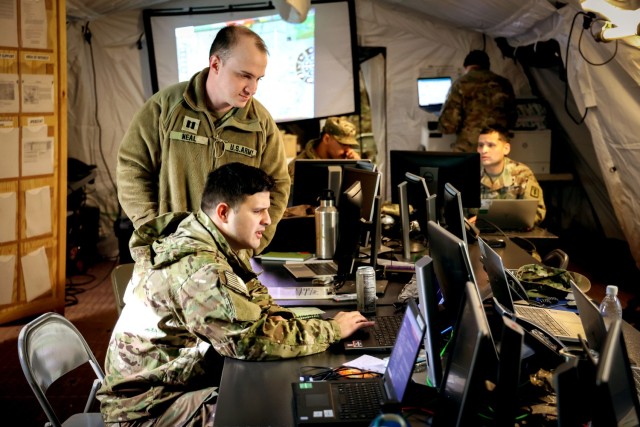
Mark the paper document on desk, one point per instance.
(302, 292)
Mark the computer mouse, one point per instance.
(496, 243)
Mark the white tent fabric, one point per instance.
(419, 36)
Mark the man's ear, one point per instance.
(222, 212)
(214, 63)
(507, 148)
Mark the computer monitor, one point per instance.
(311, 176)
(462, 170)
(471, 361)
(452, 266)
(452, 214)
(414, 194)
(370, 184)
(428, 303)
(432, 92)
(349, 229)
(616, 390)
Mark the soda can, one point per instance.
(366, 289)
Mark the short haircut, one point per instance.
(228, 37)
(503, 132)
(232, 183)
(478, 58)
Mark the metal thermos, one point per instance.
(326, 226)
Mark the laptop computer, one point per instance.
(616, 391)
(562, 324)
(507, 214)
(358, 401)
(379, 338)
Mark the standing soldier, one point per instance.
(477, 99)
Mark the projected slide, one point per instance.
(311, 68)
(287, 87)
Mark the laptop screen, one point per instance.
(404, 353)
(497, 276)
(616, 388)
(468, 363)
(428, 298)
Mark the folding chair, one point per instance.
(50, 347)
(120, 277)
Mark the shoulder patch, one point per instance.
(534, 192)
(235, 283)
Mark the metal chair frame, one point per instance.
(48, 348)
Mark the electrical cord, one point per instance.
(324, 373)
(589, 19)
(87, 37)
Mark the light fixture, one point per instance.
(620, 23)
(611, 32)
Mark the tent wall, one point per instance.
(101, 105)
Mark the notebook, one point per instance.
(507, 214)
(358, 401)
(562, 324)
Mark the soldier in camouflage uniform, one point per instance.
(503, 178)
(186, 130)
(337, 141)
(477, 99)
(192, 301)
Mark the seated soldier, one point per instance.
(503, 178)
(337, 141)
(193, 301)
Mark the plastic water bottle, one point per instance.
(326, 216)
(610, 307)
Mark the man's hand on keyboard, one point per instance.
(351, 321)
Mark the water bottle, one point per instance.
(610, 307)
(326, 216)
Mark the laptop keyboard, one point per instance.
(542, 319)
(386, 329)
(322, 268)
(358, 400)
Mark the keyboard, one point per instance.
(358, 400)
(386, 329)
(322, 268)
(542, 319)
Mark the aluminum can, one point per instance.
(366, 289)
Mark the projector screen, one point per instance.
(311, 66)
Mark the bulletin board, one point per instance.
(33, 135)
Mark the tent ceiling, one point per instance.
(496, 18)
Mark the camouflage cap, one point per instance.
(341, 129)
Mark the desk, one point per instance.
(260, 394)
(273, 274)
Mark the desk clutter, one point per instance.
(484, 334)
(482, 362)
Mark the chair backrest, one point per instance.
(120, 277)
(50, 347)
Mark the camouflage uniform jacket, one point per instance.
(515, 182)
(174, 141)
(477, 99)
(309, 152)
(190, 293)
